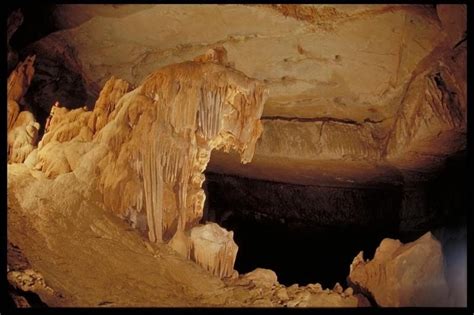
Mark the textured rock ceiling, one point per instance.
(350, 65)
(338, 75)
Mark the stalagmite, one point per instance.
(213, 248)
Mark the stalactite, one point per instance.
(153, 191)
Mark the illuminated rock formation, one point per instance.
(81, 124)
(20, 79)
(261, 277)
(357, 98)
(145, 150)
(22, 137)
(433, 112)
(113, 90)
(338, 89)
(213, 248)
(409, 274)
(22, 127)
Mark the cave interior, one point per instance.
(352, 134)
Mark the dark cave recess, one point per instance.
(309, 234)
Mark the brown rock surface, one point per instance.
(75, 270)
(150, 146)
(22, 127)
(213, 248)
(353, 95)
(410, 274)
(261, 277)
(346, 82)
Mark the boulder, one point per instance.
(262, 277)
(400, 275)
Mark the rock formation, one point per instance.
(261, 277)
(355, 96)
(410, 274)
(338, 90)
(145, 150)
(22, 126)
(347, 116)
(213, 248)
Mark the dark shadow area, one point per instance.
(31, 298)
(306, 234)
(309, 234)
(300, 254)
(37, 23)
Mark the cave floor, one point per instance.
(89, 257)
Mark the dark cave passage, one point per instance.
(306, 234)
(311, 234)
(300, 255)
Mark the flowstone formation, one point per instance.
(22, 126)
(144, 151)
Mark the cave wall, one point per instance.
(304, 205)
(406, 208)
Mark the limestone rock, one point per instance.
(306, 297)
(22, 127)
(157, 140)
(20, 79)
(113, 90)
(349, 291)
(181, 244)
(26, 280)
(213, 248)
(22, 138)
(409, 274)
(282, 294)
(309, 70)
(66, 125)
(338, 288)
(346, 83)
(261, 277)
(434, 103)
(328, 300)
(81, 124)
(314, 288)
(262, 303)
(216, 55)
(454, 20)
(13, 109)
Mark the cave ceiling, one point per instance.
(344, 81)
